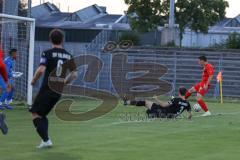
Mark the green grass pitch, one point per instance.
(112, 138)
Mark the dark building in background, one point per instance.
(1, 6)
(8, 30)
(81, 26)
(9, 6)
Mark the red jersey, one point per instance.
(207, 72)
(3, 71)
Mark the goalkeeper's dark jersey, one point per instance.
(54, 59)
(178, 105)
(175, 108)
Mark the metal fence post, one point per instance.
(175, 73)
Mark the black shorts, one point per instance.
(157, 111)
(44, 102)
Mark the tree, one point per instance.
(22, 9)
(130, 36)
(233, 41)
(145, 15)
(198, 15)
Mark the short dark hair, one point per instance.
(56, 36)
(182, 91)
(13, 50)
(203, 58)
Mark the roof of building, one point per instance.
(96, 17)
(43, 10)
(92, 17)
(227, 25)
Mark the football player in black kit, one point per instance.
(161, 109)
(52, 60)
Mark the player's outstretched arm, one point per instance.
(39, 72)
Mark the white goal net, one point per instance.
(18, 33)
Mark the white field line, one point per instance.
(136, 121)
(147, 121)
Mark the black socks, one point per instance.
(41, 125)
(45, 121)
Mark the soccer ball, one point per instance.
(197, 107)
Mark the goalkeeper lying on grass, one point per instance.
(171, 109)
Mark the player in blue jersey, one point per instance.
(7, 96)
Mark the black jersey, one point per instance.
(178, 105)
(54, 60)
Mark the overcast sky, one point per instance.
(118, 6)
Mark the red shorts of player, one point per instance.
(199, 87)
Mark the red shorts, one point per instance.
(199, 87)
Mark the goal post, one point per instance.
(19, 33)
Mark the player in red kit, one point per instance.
(3, 73)
(202, 87)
